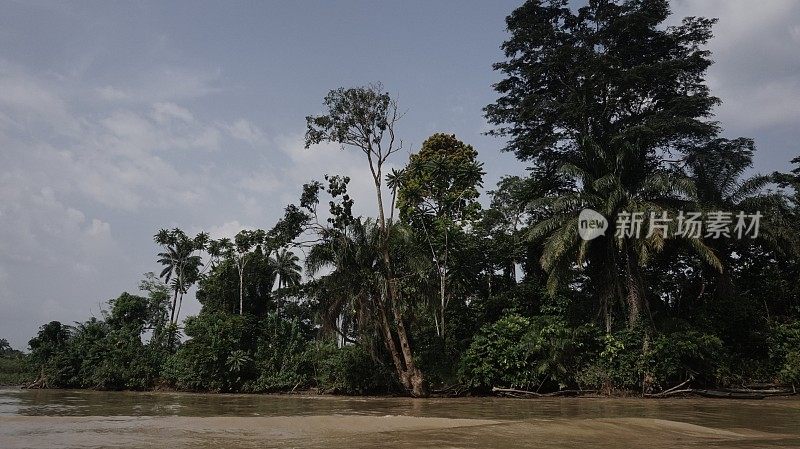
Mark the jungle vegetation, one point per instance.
(444, 289)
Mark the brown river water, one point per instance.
(92, 419)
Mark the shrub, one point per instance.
(15, 370)
(634, 360)
(281, 358)
(784, 352)
(524, 353)
(349, 370)
(203, 362)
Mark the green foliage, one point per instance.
(441, 181)
(15, 370)
(518, 352)
(349, 370)
(14, 366)
(227, 352)
(784, 351)
(218, 291)
(633, 360)
(107, 354)
(676, 356)
(356, 116)
(203, 363)
(281, 356)
(608, 108)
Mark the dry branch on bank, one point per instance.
(514, 393)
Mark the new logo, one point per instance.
(591, 224)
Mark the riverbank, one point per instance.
(680, 391)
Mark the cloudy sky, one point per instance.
(117, 118)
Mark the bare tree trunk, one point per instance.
(442, 292)
(419, 387)
(241, 292)
(634, 294)
(180, 303)
(174, 304)
(278, 297)
(388, 341)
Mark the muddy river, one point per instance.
(83, 419)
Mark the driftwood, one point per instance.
(514, 393)
(757, 391)
(724, 394)
(765, 391)
(728, 395)
(452, 390)
(672, 391)
(37, 384)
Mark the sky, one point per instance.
(120, 118)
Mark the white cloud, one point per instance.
(111, 93)
(756, 60)
(262, 181)
(163, 112)
(228, 229)
(244, 130)
(162, 84)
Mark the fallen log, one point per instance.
(39, 383)
(767, 392)
(670, 391)
(511, 392)
(728, 395)
(717, 394)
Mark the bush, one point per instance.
(349, 370)
(206, 360)
(784, 352)
(524, 353)
(633, 360)
(281, 357)
(233, 353)
(676, 356)
(15, 370)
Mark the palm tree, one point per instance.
(357, 288)
(611, 182)
(348, 293)
(287, 269)
(717, 168)
(182, 264)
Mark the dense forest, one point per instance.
(442, 291)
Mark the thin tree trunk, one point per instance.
(442, 280)
(278, 297)
(241, 292)
(180, 303)
(634, 295)
(174, 304)
(411, 376)
(388, 341)
(419, 387)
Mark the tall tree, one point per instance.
(437, 195)
(605, 94)
(365, 118)
(287, 269)
(717, 169)
(239, 251)
(182, 264)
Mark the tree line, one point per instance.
(608, 109)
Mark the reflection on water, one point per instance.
(55, 418)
